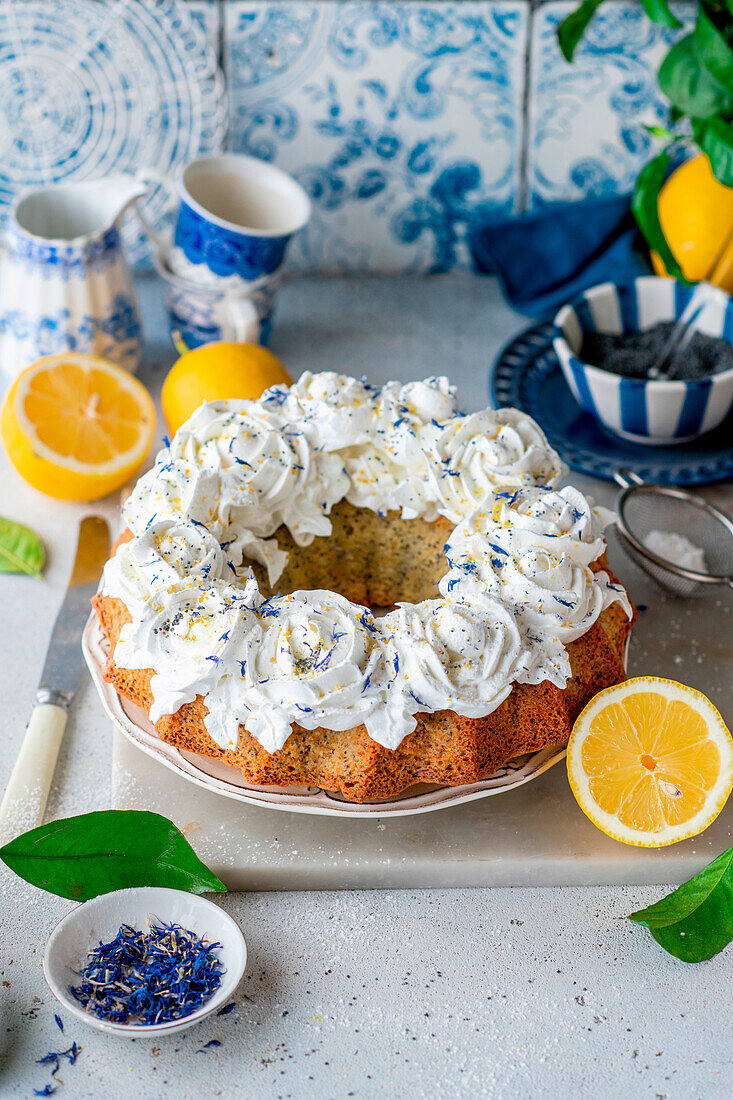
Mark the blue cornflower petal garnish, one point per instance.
(368, 625)
(148, 977)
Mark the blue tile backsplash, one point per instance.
(409, 120)
(402, 120)
(584, 121)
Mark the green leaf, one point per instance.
(645, 208)
(572, 28)
(661, 132)
(713, 50)
(715, 138)
(659, 12)
(21, 550)
(81, 857)
(689, 86)
(695, 921)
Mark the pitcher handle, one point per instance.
(161, 246)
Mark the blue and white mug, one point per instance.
(237, 215)
(202, 314)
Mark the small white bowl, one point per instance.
(100, 919)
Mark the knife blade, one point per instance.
(24, 801)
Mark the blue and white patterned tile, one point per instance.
(207, 14)
(402, 120)
(586, 119)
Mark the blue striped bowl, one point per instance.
(655, 412)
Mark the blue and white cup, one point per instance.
(206, 313)
(658, 411)
(237, 215)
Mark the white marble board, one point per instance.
(532, 836)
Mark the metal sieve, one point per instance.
(642, 508)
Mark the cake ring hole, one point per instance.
(370, 559)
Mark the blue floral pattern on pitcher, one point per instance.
(64, 260)
(116, 333)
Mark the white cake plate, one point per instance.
(133, 722)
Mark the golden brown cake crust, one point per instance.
(388, 559)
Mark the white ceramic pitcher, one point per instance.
(64, 282)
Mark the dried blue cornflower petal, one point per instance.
(53, 1058)
(211, 1042)
(47, 1090)
(149, 977)
(59, 1022)
(227, 1009)
(367, 623)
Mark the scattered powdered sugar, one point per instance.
(678, 549)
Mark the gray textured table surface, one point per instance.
(437, 993)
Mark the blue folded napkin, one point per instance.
(546, 258)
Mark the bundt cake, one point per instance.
(247, 605)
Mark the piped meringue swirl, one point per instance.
(518, 588)
(532, 549)
(318, 662)
(244, 468)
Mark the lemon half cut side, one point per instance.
(650, 761)
(76, 426)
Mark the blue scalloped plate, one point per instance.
(527, 375)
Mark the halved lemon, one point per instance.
(76, 426)
(650, 761)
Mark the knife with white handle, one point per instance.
(24, 801)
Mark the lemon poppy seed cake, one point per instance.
(241, 604)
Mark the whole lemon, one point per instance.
(215, 372)
(696, 214)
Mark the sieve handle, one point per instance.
(626, 478)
